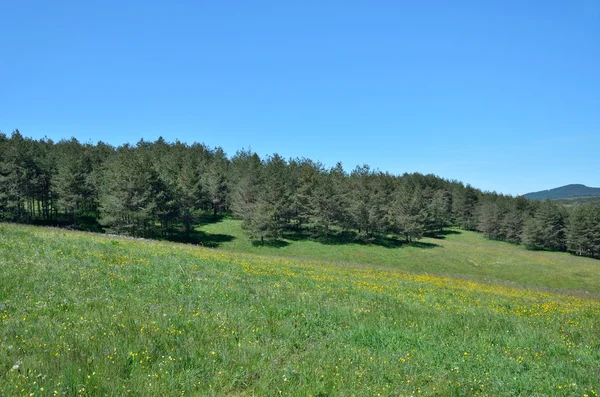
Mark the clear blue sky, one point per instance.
(504, 95)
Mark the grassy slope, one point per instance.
(86, 314)
(462, 253)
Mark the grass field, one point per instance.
(458, 253)
(84, 314)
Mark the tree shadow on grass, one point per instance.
(210, 240)
(85, 223)
(199, 237)
(422, 244)
(441, 235)
(272, 243)
(206, 219)
(352, 237)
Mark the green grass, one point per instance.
(84, 314)
(459, 253)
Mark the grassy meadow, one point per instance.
(85, 314)
(456, 253)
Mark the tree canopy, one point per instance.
(157, 189)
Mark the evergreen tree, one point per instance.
(302, 199)
(547, 229)
(512, 226)
(361, 200)
(491, 215)
(383, 193)
(16, 172)
(98, 155)
(440, 210)
(131, 193)
(553, 221)
(325, 203)
(248, 201)
(4, 207)
(272, 201)
(70, 182)
(464, 202)
(410, 213)
(583, 232)
(189, 192)
(532, 236)
(339, 180)
(161, 186)
(215, 181)
(246, 181)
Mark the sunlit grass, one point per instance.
(83, 314)
(460, 253)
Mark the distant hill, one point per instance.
(565, 192)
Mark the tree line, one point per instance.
(159, 189)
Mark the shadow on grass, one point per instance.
(440, 235)
(352, 237)
(198, 237)
(83, 223)
(210, 240)
(421, 244)
(271, 243)
(206, 219)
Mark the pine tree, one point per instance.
(552, 218)
(409, 211)
(69, 183)
(532, 236)
(272, 201)
(215, 181)
(189, 192)
(361, 200)
(131, 198)
(583, 232)
(323, 204)
(464, 203)
(302, 198)
(490, 215)
(4, 207)
(512, 226)
(546, 230)
(383, 192)
(440, 210)
(16, 171)
(246, 199)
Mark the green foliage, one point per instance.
(71, 179)
(133, 195)
(575, 191)
(215, 181)
(162, 189)
(410, 211)
(583, 232)
(440, 210)
(547, 229)
(14, 178)
(272, 203)
(464, 206)
(188, 192)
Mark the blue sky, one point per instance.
(504, 95)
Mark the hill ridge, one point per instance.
(567, 191)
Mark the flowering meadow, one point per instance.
(84, 314)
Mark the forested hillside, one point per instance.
(161, 189)
(565, 192)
